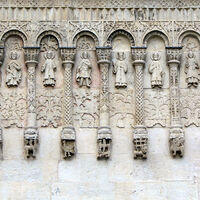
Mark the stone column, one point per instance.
(140, 135)
(31, 134)
(68, 136)
(1, 131)
(176, 136)
(104, 134)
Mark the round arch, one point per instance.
(86, 33)
(14, 33)
(49, 33)
(188, 33)
(120, 32)
(155, 33)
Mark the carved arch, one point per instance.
(14, 33)
(86, 33)
(120, 32)
(188, 33)
(155, 33)
(49, 33)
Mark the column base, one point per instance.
(104, 140)
(68, 142)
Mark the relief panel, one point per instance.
(156, 71)
(190, 64)
(156, 108)
(121, 73)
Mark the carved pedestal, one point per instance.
(176, 135)
(140, 135)
(104, 134)
(31, 133)
(68, 135)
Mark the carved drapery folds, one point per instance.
(104, 134)
(31, 132)
(176, 137)
(68, 136)
(140, 135)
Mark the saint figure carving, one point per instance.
(84, 70)
(120, 69)
(156, 71)
(49, 69)
(14, 73)
(192, 70)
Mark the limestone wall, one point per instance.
(99, 100)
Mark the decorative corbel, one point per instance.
(68, 134)
(104, 134)
(140, 134)
(31, 134)
(176, 134)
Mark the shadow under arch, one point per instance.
(188, 33)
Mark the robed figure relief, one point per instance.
(192, 70)
(156, 71)
(13, 71)
(120, 68)
(84, 71)
(49, 69)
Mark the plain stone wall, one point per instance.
(84, 177)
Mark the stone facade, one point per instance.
(99, 100)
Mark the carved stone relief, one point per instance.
(86, 108)
(190, 63)
(49, 108)
(49, 47)
(13, 62)
(156, 71)
(1, 144)
(156, 108)
(13, 109)
(190, 107)
(121, 108)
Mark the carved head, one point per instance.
(85, 55)
(49, 55)
(155, 56)
(13, 55)
(121, 56)
(191, 54)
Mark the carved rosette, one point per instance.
(140, 134)
(176, 136)
(31, 132)
(104, 134)
(68, 134)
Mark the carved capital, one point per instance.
(68, 139)
(104, 140)
(176, 141)
(31, 140)
(140, 141)
(67, 54)
(138, 55)
(31, 54)
(103, 54)
(173, 54)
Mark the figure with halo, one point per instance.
(84, 71)
(120, 69)
(156, 71)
